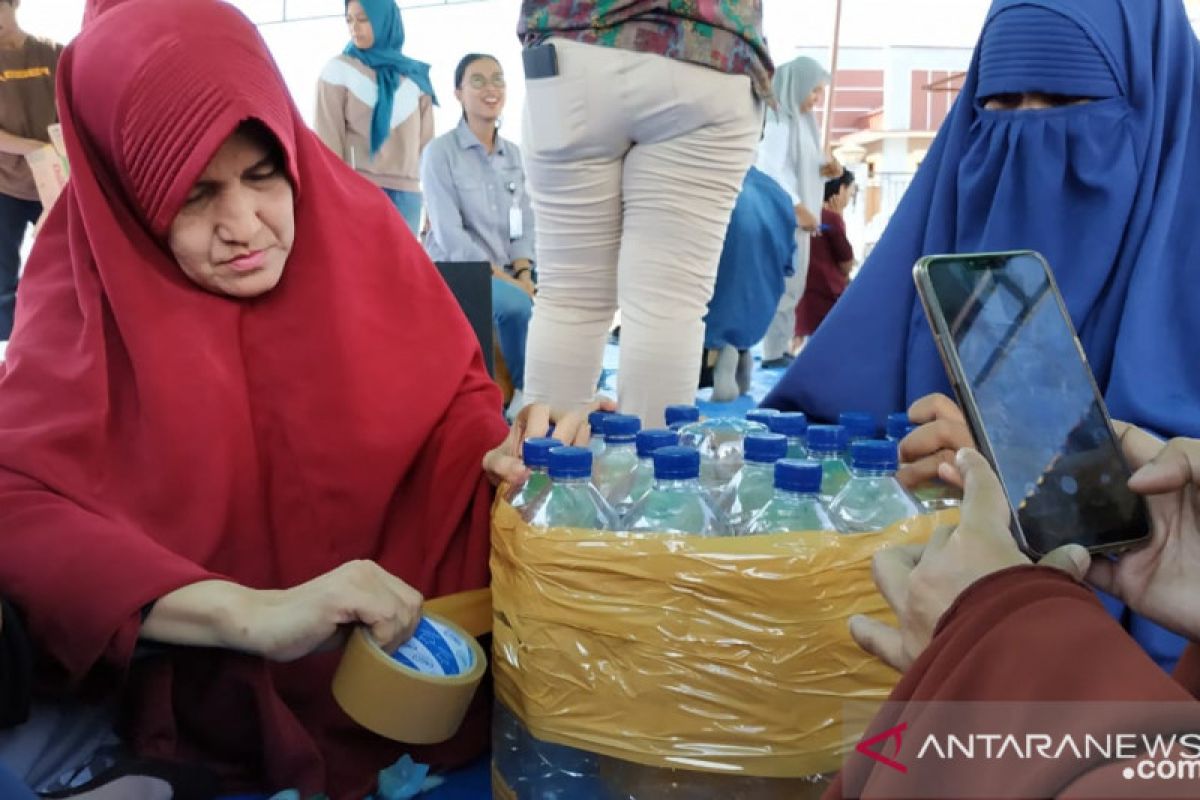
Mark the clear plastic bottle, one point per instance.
(860, 425)
(827, 445)
(643, 475)
(677, 503)
(720, 444)
(761, 415)
(872, 499)
(795, 505)
(754, 484)
(596, 423)
(536, 454)
(612, 470)
(678, 416)
(571, 500)
(793, 425)
(897, 425)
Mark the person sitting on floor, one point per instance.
(230, 430)
(760, 243)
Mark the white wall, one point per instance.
(440, 35)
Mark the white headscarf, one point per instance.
(792, 84)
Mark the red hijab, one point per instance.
(153, 434)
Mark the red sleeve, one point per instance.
(839, 245)
(1023, 636)
(69, 569)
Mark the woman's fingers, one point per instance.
(880, 640)
(935, 406)
(924, 469)
(892, 568)
(1174, 467)
(935, 436)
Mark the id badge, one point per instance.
(516, 223)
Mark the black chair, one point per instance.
(471, 283)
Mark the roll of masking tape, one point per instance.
(420, 693)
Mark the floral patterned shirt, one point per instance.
(722, 34)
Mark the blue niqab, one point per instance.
(1100, 189)
(389, 63)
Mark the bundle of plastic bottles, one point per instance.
(768, 473)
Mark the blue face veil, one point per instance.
(1099, 189)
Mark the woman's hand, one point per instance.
(505, 465)
(942, 432)
(921, 582)
(806, 220)
(831, 169)
(523, 274)
(286, 624)
(1159, 580)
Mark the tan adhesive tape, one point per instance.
(400, 703)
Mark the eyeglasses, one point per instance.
(480, 82)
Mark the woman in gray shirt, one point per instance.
(479, 210)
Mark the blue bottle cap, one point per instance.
(859, 424)
(570, 462)
(536, 452)
(676, 463)
(765, 448)
(681, 415)
(620, 428)
(878, 455)
(792, 423)
(897, 425)
(761, 415)
(596, 419)
(794, 475)
(827, 438)
(652, 439)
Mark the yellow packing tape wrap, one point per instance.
(726, 655)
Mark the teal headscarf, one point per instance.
(389, 63)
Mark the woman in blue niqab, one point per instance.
(1100, 188)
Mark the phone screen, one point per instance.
(1034, 402)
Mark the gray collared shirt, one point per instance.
(469, 196)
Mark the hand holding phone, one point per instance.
(1159, 581)
(1030, 400)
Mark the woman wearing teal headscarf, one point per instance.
(375, 105)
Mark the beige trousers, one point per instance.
(634, 162)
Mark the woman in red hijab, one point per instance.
(240, 411)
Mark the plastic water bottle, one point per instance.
(754, 484)
(571, 501)
(677, 503)
(612, 472)
(596, 423)
(859, 424)
(794, 426)
(761, 415)
(677, 416)
(898, 425)
(827, 446)
(872, 499)
(648, 441)
(536, 454)
(720, 444)
(795, 505)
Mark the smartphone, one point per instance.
(1025, 387)
(540, 61)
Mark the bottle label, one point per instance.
(435, 650)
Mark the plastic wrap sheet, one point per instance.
(727, 655)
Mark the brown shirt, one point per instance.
(26, 107)
(346, 94)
